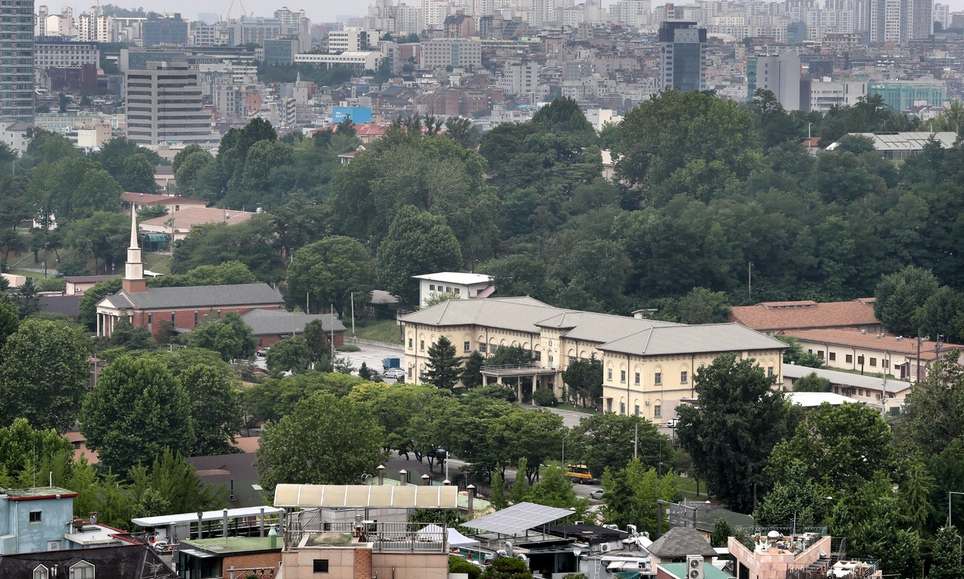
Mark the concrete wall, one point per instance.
(19, 535)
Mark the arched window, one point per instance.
(41, 572)
(82, 570)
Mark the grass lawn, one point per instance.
(687, 486)
(379, 331)
(574, 408)
(159, 262)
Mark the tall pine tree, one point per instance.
(444, 369)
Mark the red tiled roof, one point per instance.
(872, 341)
(769, 316)
(247, 444)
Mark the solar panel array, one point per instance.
(518, 519)
(366, 496)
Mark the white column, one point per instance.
(98, 324)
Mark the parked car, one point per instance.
(597, 494)
(394, 374)
(672, 423)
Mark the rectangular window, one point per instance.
(770, 371)
(636, 410)
(658, 378)
(36, 516)
(150, 319)
(411, 372)
(410, 343)
(873, 362)
(537, 355)
(421, 345)
(483, 348)
(683, 377)
(860, 359)
(657, 411)
(431, 287)
(849, 359)
(622, 376)
(319, 566)
(458, 291)
(636, 378)
(820, 354)
(885, 363)
(466, 346)
(172, 318)
(833, 356)
(195, 318)
(609, 374)
(609, 405)
(622, 408)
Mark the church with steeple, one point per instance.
(182, 308)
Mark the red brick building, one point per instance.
(184, 307)
(272, 326)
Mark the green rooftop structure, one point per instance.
(903, 95)
(678, 570)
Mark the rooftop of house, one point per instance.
(766, 316)
(847, 378)
(814, 399)
(456, 277)
(200, 296)
(700, 338)
(904, 141)
(88, 278)
(127, 561)
(158, 199)
(278, 322)
(193, 216)
(878, 342)
(679, 542)
(235, 545)
(37, 493)
(679, 571)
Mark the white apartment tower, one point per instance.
(164, 104)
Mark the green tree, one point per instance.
(318, 343)
(497, 495)
(9, 319)
(631, 494)
(460, 565)
(721, 533)
(520, 487)
(215, 408)
(934, 410)
(941, 315)
(289, 355)
(841, 446)
(605, 441)
(44, 373)
(472, 370)
(187, 172)
(812, 383)
(102, 237)
(171, 481)
(900, 295)
(126, 336)
(329, 270)
(701, 306)
(731, 433)
(553, 489)
(563, 115)
(584, 379)
(794, 354)
(326, 440)
(947, 561)
(229, 336)
(28, 301)
(417, 242)
(28, 452)
(137, 174)
(444, 368)
(507, 568)
(136, 410)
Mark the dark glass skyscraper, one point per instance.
(683, 44)
(16, 60)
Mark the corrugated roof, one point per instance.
(846, 378)
(200, 296)
(366, 496)
(768, 316)
(517, 313)
(518, 519)
(279, 322)
(706, 338)
(871, 341)
(180, 518)
(813, 399)
(904, 141)
(595, 327)
(456, 277)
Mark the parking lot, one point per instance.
(371, 354)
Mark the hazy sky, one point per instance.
(317, 10)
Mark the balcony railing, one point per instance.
(383, 536)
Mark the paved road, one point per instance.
(371, 354)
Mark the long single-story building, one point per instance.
(886, 394)
(273, 325)
(775, 317)
(649, 365)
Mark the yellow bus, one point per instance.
(578, 473)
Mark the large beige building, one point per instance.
(649, 365)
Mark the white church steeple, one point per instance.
(134, 269)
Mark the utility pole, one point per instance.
(918, 355)
(636, 441)
(332, 334)
(307, 302)
(749, 281)
(353, 317)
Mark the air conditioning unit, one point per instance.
(694, 567)
(605, 547)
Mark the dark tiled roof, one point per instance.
(199, 296)
(281, 322)
(64, 305)
(116, 562)
(679, 542)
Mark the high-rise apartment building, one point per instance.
(166, 31)
(349, 39)
(164, 103)
(779, 74)
(16, 60)
(294, 24)
(683, 43)
(942, 15)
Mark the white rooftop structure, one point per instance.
(795, 372)
(518, 519)
(454, 284)
(814, 399)
(366, 496)
(182, 518)
(897, 146)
